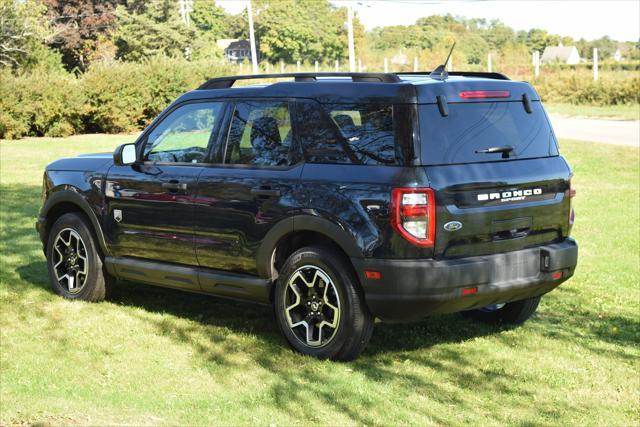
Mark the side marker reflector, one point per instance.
(373, 275)
(469, 291)
(556, 275)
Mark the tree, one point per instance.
(538, 39)
(149, 28)
(499, 36)
(210, 19)
(606, 47)
(210, 23)
(83, 30)
(23, 31)
(302, 30)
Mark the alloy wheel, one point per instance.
(70, 262)
(312, 306)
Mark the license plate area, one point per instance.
(515, 265)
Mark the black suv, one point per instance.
(336, 197)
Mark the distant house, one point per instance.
(560, 54)
(238, 51)
(399, 59)
(617, 56)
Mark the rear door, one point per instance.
(490, 198)
(253, 187)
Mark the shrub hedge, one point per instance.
(51, 104)
(125, 97)
(110, 97)
(579, 90)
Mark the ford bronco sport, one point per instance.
(336, 197)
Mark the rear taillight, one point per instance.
(413, 215)
(471, 94)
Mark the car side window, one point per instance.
(260, 134)
(362, 134)
(183, 136)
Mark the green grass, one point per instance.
(156, 356)
(616, 112)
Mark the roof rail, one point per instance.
(495, 76)
(227, 82)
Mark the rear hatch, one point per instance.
(499, 182)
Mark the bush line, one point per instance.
(125, 97)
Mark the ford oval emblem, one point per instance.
(453, 226)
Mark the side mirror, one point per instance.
(125, 155)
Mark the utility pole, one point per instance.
(252, 39)
(186, 6)
(352, 50)
(183, 10)
(595, 64)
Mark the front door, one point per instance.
(150, 205)
(253, 188)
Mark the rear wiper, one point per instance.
(505, 150)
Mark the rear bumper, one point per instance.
(411, 289)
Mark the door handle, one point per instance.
(265, 192)
(174, 186)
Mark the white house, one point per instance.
(617, 56)
(560, 54)
(399, 59)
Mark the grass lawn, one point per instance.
(152, 356)
(616, 112)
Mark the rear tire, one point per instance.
(73, 260)
(515, 313)
(319, 306)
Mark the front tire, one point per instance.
(515, 313)
(73, 260)
(319, 306)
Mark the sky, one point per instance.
(619, 20)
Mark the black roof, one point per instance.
(365, 87)
(239, 45)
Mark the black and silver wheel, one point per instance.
(70, 264)
(73, 260)
(319, 306)
(516, 312)
(312, 306)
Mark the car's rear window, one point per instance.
(475, 126)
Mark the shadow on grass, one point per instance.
(219, 331)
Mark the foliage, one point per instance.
(150, 28)
(210, 19)
(285, 31)
(82, 30)
(22, 32)
(109, 97)
(32, 105)
(573, 89)
(126, 97)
